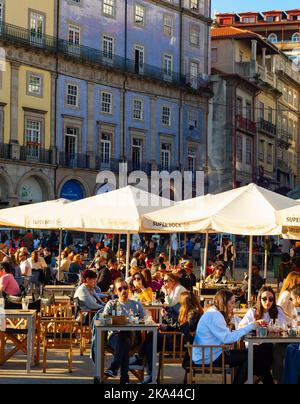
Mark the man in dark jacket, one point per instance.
(104, 276)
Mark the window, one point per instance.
(249, 19)
(136, 153)
(137, 110)
(108, 47)
(168, 23)
(1, 11)
(106, 102)
(195, 35)
(105, 149)
(165, 156)
(194, 5)
(191, 160)
(239, 106)
(273, 38)
(33, 139)
(72, 95)
(296, 37)
(139, 15)
(270, 153)
(248, 152)
(139, 53)
(290, 99)
(168, 67)
(192, 120)
(74, 39)
(71, 139)
(34, 85)
(261, 154)
(248, 110)
(37, 26)
(194, 73)
(270, 114)
(239, 148)
(261, 110)
(296, 100)
(166, 116)
(109, 8)
(270, 18)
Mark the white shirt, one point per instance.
(287, 306)
(173, 298)
(250, 317)
(25, 267)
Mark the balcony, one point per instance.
(268, 127)
(5, 151)
(283, 166)
(35, 154)
(170, 169)
(254, 71)
(74, 160)
(284, 139)
(84, 54)
(111, 165)
(245, 124)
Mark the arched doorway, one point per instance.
(72, 190)
(32, 190)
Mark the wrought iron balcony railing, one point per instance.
(75, 160)
(82, 53)
(5, 151)
(245, 124)
(267, 126)
(35, 154)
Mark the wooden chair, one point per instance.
(208, 370)
(60, 333)
(173, 351)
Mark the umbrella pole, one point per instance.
(250, 270)
(127, 254)
(119, 246)
(170, 249)
(205, 255)
(266, 265)
(184, 245)
(59, 252)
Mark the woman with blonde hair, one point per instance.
(284, 300)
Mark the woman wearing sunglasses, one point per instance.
(138, 288)
(267, 310)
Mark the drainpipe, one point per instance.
(55, 94)
(233, 114)
(180, 131)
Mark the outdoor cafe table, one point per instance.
(156, 308)
(30, 316)
(99, 345)
(60, 289)
(263, 340)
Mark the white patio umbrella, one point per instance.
(115, 212)
(42, 215)
(248, 210)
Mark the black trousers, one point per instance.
(238, 359)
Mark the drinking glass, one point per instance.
(25, 303)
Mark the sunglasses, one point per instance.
(270, 299)
(166, 280)
(122, 288)
(137, 279)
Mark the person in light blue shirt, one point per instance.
(213, 329)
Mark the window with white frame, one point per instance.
(136, 150)
(165, 156)
(71, 139)
(168, 66)
(273, 38)
(194, 35)
(139, 55)
(109, 7)
(34, 84)
(106, 102)
(33, 139)
(168, 24)
(139, 15)
(105, 149)
(261, 110)
(72, 95)
(248, 152)
(74, 35)
(296, 37)
(37, 27)
(194, 5)
(108, 46)
(192, 119)
(191, 159)
(239, 148)
(137, 110)
(166, 115)
(194, 73)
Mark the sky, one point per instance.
(252, 5)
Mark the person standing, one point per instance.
(228, 253)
